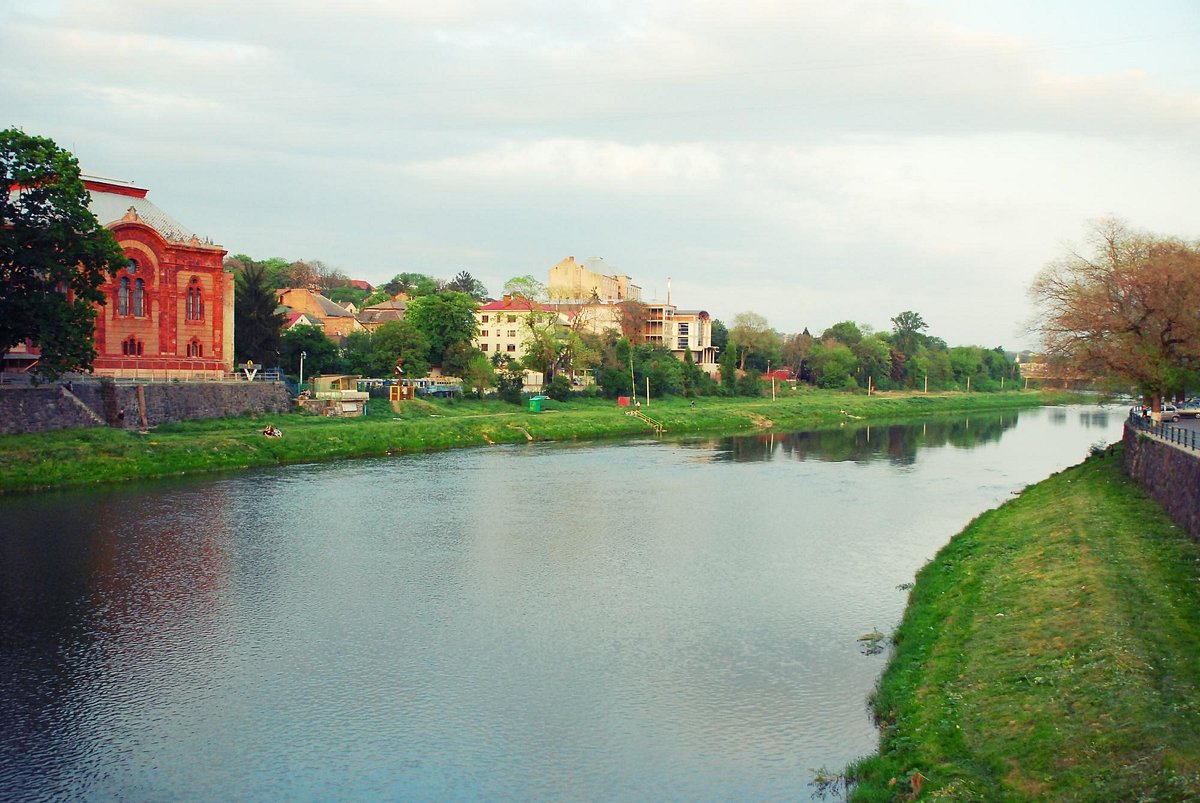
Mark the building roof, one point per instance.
(515, 304)
(376, 315)
(112, 200)
(390, 304)
(300, 319)
(329, 309)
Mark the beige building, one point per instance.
(501, 325)
(502, 328)
(682, 330)
(581, 282)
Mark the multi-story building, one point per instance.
(501, 326)
(589, 281)
(681, 330)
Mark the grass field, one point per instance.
(1051, 651)
(85, 456)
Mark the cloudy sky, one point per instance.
(809, 161)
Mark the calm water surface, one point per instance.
(633, 621)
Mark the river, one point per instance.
(638, 620)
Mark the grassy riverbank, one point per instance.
(84, 456)
(1051, 651)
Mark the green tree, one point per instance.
(720, 335)
(256, 325)
(479, 375)
(344, 293)
(543, 336)
(659, 365)
(833, 364)
(466, 283)
(457, 357)
(54, 254)
(751, 336)
(728, 365)
(320, 353)
(750, 384)
(525, 286)
(414, 284)
(444, 318)
(843, 332)
(874, 362)
(510, 378)
(906, 328)
(400, 340)
(357, 354)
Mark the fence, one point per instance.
(1183, 437)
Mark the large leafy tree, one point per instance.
(400, 340)
(753, 339)
(1129, 310)
(256, 326)
(413, 284)
(320, 353)
(444, 318)
(525, 286)
(54, 254)
(906, 328)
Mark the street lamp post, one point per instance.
(303, 354)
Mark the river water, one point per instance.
(638, 620)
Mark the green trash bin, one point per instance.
(535, 403)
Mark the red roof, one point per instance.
(514, 303)
(362, 284)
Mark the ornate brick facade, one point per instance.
(169, 312)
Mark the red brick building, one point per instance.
(169, 313)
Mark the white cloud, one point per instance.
(811, 161)
(587, 164)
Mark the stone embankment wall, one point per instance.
(1169, 475)
(91, 404)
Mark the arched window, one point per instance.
(123, 297)
(132, 266)
(195, 348)
(195, 303)
(139, 307)
(131, 347)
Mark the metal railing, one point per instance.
(1183, 437)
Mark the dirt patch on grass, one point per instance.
(760, 421)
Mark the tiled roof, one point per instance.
(331, 308)
(112, 199)
(518, 303)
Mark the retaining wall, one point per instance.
(1169, 475)
(90, 404)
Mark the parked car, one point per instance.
(1169, 413)
(1189, 410)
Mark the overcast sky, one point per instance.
(809, 161)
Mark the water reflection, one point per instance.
(897, 443)
(636, 620)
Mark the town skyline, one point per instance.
(812, 163)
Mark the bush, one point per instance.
(559, 388)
